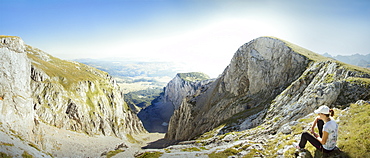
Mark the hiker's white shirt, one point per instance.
(332, 128)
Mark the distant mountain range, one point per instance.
(355, 59)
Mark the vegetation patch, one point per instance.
(26, 155)
(211, 133)
(131, 139)
(224, 154)
(114, 152)
(4, 155)
(167, 150)
(305, 52)
(6, 144)
(155, 154)
(6, 36)
(354, 133)
(34, 146)
(357, 80)
(329, 78)
(193, 76)
(68, 73)
(191, 149)
(252, 153)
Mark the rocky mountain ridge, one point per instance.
(156, 117)
(362, 60)
(258, 106)
(40, 91)
(269, 82)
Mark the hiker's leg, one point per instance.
(320, 125)
(308, 137)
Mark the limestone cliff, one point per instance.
(15, 92)
(271, 82)
(156, 117)
(74, 96)
(37, 88)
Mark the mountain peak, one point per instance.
(13, 43)
(298, 49)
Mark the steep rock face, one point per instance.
(15, 93)
(77, 97)
(259, 71)
(156, 117)
(39, 91)
(323, 83)
(269, 83)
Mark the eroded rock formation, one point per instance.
(271, 82)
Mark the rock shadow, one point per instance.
(337, 153)
(160, 144)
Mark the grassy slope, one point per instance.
(354, 133)
(319, 58)
(69, 73)
(193, 76)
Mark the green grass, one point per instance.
(26, 155)
(357, 80)
(4, 155)
(329, 78)
(303, 51)
(5, 36)
(34, 146)
(68, 73)
(252, 154)
(193, 76)
(354, 131)
(6, 144)
(224, 154)
(211, 133)
(113, 153)
(156, 154)
(191, 149)
(131, 139)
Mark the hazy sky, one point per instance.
(203, 33)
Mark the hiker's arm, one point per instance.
(314, 125)
(324, 137)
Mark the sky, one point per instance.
(204, 34)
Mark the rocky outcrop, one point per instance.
(323, 83)
(37, 88)
(77, 97)
(16, 109)
(271, 82)
(156, 117)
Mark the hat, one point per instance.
(322, 109)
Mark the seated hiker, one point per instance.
(328, 132)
